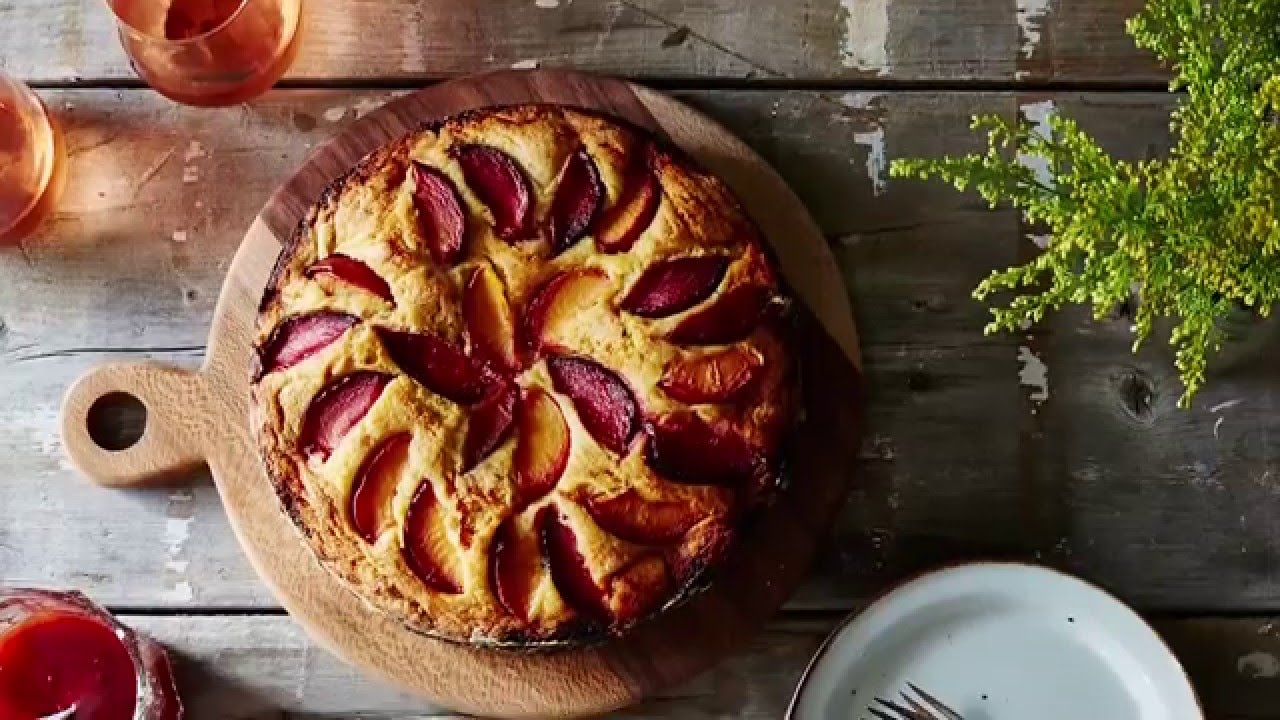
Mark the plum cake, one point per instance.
(521, 375)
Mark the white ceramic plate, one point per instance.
(999, 641)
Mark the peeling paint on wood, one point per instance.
(1259, 666)
(1038, 114)
(864, 45)
(1033, 374)
(1031, 15)
(870, 137)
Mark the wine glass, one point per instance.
(31, 160)
(209, 52)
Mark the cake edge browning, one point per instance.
(308, 519)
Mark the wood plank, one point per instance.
(61, 41)
(1173, 510)
(259, 667)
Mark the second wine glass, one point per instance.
(209, 52)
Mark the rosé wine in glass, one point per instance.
(31, 161)
(209, 52)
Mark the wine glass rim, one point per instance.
(111, 6)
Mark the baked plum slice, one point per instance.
(728, 319)
(375, 487)
(490, 325)
(337, 408)
(715, 377)
(501, 185)
(440, 214)
(542, 446)
(647, 522)
(687, 449)
(622, 224)
(439, 366)
(489, 425)
(559, 303)
(604, 402)
(569, 570)
(300, 337)
(427, 549)
(672, 286)
(340, 268)
(515, 567)
(577, 201)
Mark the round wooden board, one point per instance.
(195, 418)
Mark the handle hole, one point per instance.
(116, 421)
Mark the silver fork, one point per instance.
(913, 704)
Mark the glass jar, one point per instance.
(61, 656)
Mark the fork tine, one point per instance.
(881, 714)
(935, 703)
(917, 709)
(905, 712)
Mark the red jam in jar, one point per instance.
(60, 653)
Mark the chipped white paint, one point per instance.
(335, 114)
(526, 64)
(179, 592)
(547, 4)
(1031, 15)
(876, 158)
(871, 138)
(1258, 666)
(364, 106)
(179, 236)
(190, 174)
(1038, 114)
(1227, 405)
(865, 44)
(1033, 374)
(860, 99)
(194, 151)
(177, 531)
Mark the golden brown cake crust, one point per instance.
(385, 346)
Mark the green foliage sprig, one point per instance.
(1197, 231)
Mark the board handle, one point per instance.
(173, 439)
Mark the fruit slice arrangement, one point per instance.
(516, 387)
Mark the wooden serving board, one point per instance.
(203, 417)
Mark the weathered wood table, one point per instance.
(1056, 445)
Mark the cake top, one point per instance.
(522, 375)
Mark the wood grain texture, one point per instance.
(264, 668)
(210, 411)
(1173, 510)
(173, 401)
(803, 40)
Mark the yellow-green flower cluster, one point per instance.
(1198, 231)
